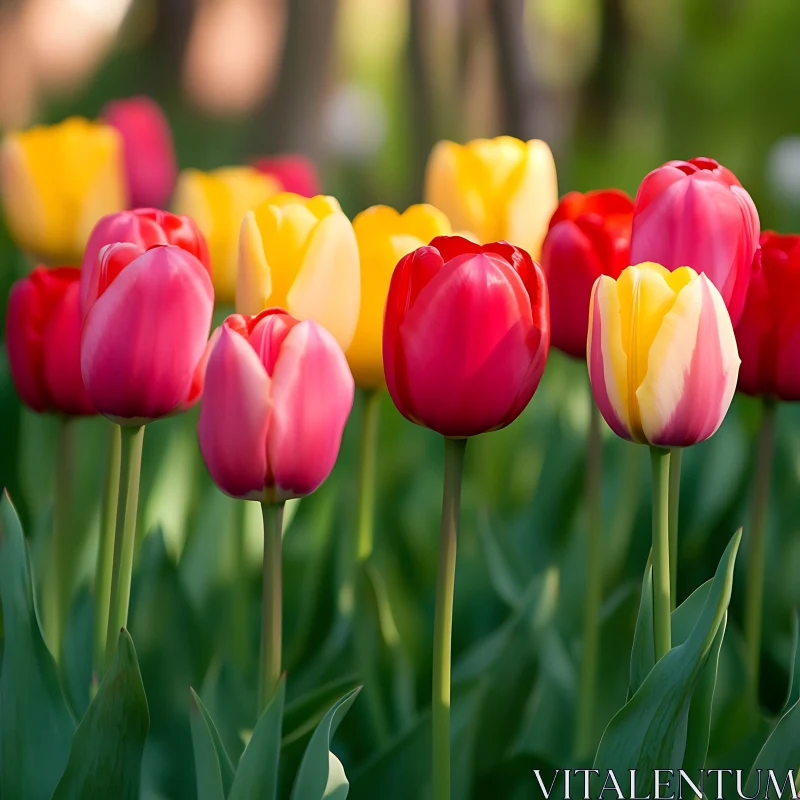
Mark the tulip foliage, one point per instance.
(462, 607)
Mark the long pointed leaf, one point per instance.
(780, 753)
(211, 763)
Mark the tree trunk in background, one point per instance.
(293, 117)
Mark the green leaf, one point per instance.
(315, 779)
(650, 731)
(781, 753)
(504, 581)
(793, 693)
(257, 773)
(643, 654)
(105, 759)
(213, 768)
(36, 725)
(303, 714)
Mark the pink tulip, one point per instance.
(43, 337)
(150, 164)
(696, 214)
(145, 331)
(295, 173)
(142, 227)
(278, 393)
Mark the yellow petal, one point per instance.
(253, 278)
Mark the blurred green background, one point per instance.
(365, 87)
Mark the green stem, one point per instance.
(369, 451)
(443, 620)
(662, 626)
(675, 456)
(105, 549)
(754, 601)
(594, 584)
(57, 588)
(271, 604)
(124, 535)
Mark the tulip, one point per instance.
(384, 237)
(589, 236)
(277, 399)
(145, 331)
(56, 182)
(301, 254)
(696, 213)
(218, 200)
(150, 163)
(144, 228)
(495, 189)
(446, 371)
(295, 173)
(43, 336)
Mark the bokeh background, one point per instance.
(365, 87)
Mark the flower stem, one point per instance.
(594, 584)
(105, 549)
(271, 604)
(124, 535)
(675, 456)
(366, 495)
(662, 626)
(57, 588)
(754, 601)
(443, 620)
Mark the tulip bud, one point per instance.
(495, 189)
(217, 201)
(277, 398)
(43, 338)
(768, 334)
(144, 228)
(589, 236)
(662, 355)
(301, 254)
(145, 332)
(57, 181)
(465, 335)
(150, 164)
(384, 237)
(696, 214)
(295, 173)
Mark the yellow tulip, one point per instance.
(384, 236)
(217, 201)
(57, 181)
(300, 254)
(495, 189)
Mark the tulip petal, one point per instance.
(22, 202)
(234, 416)
(327, 288)
(253, 278)
(143, 338)
(312, 391)
(692, 369)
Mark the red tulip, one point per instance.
(589, 236)
(43, 337)
(295, 173)
(150, 164)
(696, 214)
(768, 334)
(277, 396)
(145, 331)
(143, 227)
(465, 335)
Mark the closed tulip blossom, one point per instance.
(494, 189)
(384, 236)
(43, 336)
(295, 173)
(150, 163)
(589, 236)
(57, 181)
(465, 336)
(696, 213)
(217, 201)
(301, 254)
(147, 320)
